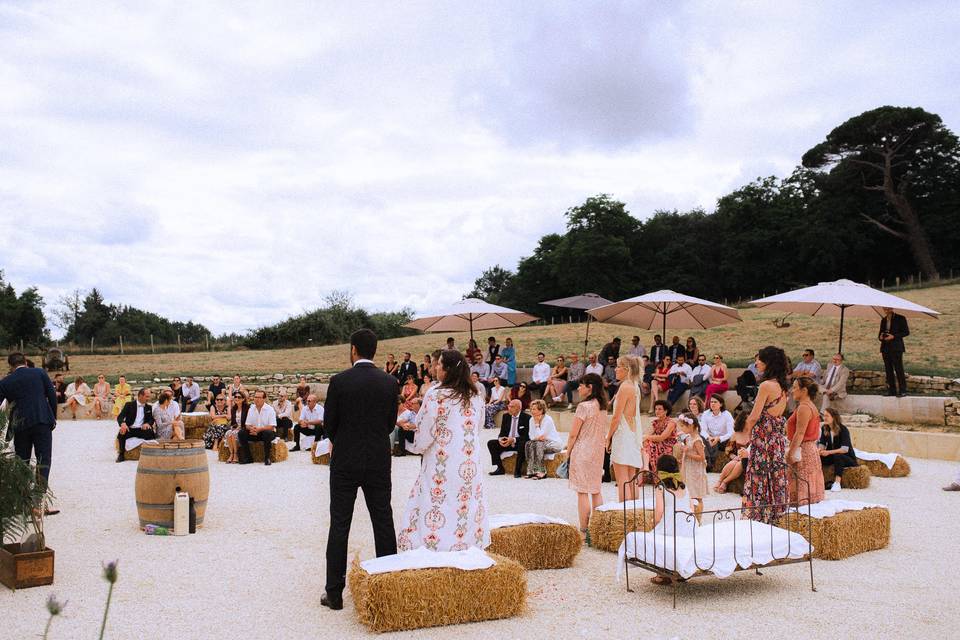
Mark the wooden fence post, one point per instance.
(178, 342)
(91, 345)
(151, 344)
(121, 345)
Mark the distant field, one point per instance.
(933, 347)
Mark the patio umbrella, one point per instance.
(843, 298)
(582, 302)
(666, 308)
(470, 314)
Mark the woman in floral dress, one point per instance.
(588, 438)
(765, 480)
(662, 438)
(447, 509)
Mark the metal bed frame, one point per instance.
(712, 517)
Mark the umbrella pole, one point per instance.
(471, 326)
(586, 338)
(840, 346)
(664, 324)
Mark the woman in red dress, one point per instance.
(660, 383)
(662, 439)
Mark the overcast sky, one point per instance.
(232, 163)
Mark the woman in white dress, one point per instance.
(447, 509)
(166, 415)
(77, 393)
(624, 438)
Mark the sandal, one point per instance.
(540, 476)
(660, 580)
(720, 487)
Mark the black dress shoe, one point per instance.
(296, 447)
(335, 603)
(266, 461)
(120, 457)
(902, 395)
(498, 472)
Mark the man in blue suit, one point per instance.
(35, 411)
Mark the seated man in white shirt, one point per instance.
(406, 426)
(594, 366)
(190, 395)
(679, 377)
(636, 349)
(284, 411)
(541, 374)
(716, 428)
(310, 423)
(261, 424)
(698, 385)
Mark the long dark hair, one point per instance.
(775, 365)
(457, 376)
(808, 385)
(595, 383)
(668, 464)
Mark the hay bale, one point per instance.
(321, 459)
(844, 534)
(537, 546)
(901, 468)
(133, 454)
(606, 527)
(853, 478)
(278, 451)
(510, 464)
(419, 598)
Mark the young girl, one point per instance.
(738, 448)
(694, 461)
(667, 509)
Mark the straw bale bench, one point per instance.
(323, 458)
(84, 412)
(606, 527)
(195, 424)
(551, 461)
(132, 454)
(278, 451)
(845, 534)
(901, 468)
(418, 598)
(853, 477)
(537, 546)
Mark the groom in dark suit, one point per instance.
(359, 416)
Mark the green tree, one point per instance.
(21, 316)
(491, 284)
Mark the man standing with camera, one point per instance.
(893, 329)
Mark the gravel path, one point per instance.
(256, 569)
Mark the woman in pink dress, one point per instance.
(588, 438)
(718, 378)
(662, 439)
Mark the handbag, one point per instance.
(563, 471)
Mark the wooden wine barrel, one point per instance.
(195, 424)
(163, 467)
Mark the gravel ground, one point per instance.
(256, 568)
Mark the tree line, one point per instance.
(878, 198)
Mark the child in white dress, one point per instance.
(671, 510)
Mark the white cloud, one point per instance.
(232, 164)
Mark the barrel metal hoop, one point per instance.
(156, 452)
(171, 472)
(166, 507)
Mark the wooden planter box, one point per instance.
(22, 570)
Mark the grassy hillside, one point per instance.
(933, 347)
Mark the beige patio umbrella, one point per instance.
(582, 302)
(843, 298)
(667, 308)
(470, 314)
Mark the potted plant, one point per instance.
(25, 560)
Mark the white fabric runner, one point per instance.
(829, 508)
(888, 459)
(513, 519)
(547, 456)
(422, 558)
(323, 447)
(645, 503)
(133, 443)
(195, 413)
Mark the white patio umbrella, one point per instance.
(843, 298)
(470, 314)
(667, 308)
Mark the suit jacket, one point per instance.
(492, 353)
(34, 395)
(899, 329)
(406, 369)
(657, 352)
(359, 415)
(839, 383)
(675, 350)
(523, 428)
(128, 415)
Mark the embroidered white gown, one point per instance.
(447, 509)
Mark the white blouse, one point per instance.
(546, 428)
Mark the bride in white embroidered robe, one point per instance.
(447, 510)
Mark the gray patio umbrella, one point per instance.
(667, 308)
(582, 302)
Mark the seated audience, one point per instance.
(493, 350)
(407, 368)
(284, 410)
(574, 372)
(473, 350)
(836, 447)
(691, 351)
(408, 392)
(498, 401)
(390, 368)
(426, 381)
(101, 396)
(647, 369)
(610, 350)
(238, 416)
(177, 388)
(426, 369)
(166, 415)
(261, 425)
(481, 390)
(679, 379)
(593, 366)
(661, 381)
(122, 394)
(479, 367)
(675, 350)
(60, 387)
(136, 421)
(219, 423)
(543, 439)
(695, 407)
(636, 349)
(835, 381)
(514, 434)
(189, 396)
(521, 393)
(406, 428)
(808, 367)
(450, 346)
(658, 351)
(557, 382)
(311, 421)
(662, 437)
(76, 395)
(237, 387)
(499, 370)
(803, 435)
(699, 377)
(718, 377)
(215, 389)
(738, 448)
(303, 390)
(716, 427)
(610, 382)
(541, 375)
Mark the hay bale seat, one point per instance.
(195, 424)
(537, 546)
(278, 451)
(418, 598)
(606, 527)
(853, 477)
(133, 454)
(321, 459)
(510, 463)
(719, 462)
(845, 534)
(901, 468)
